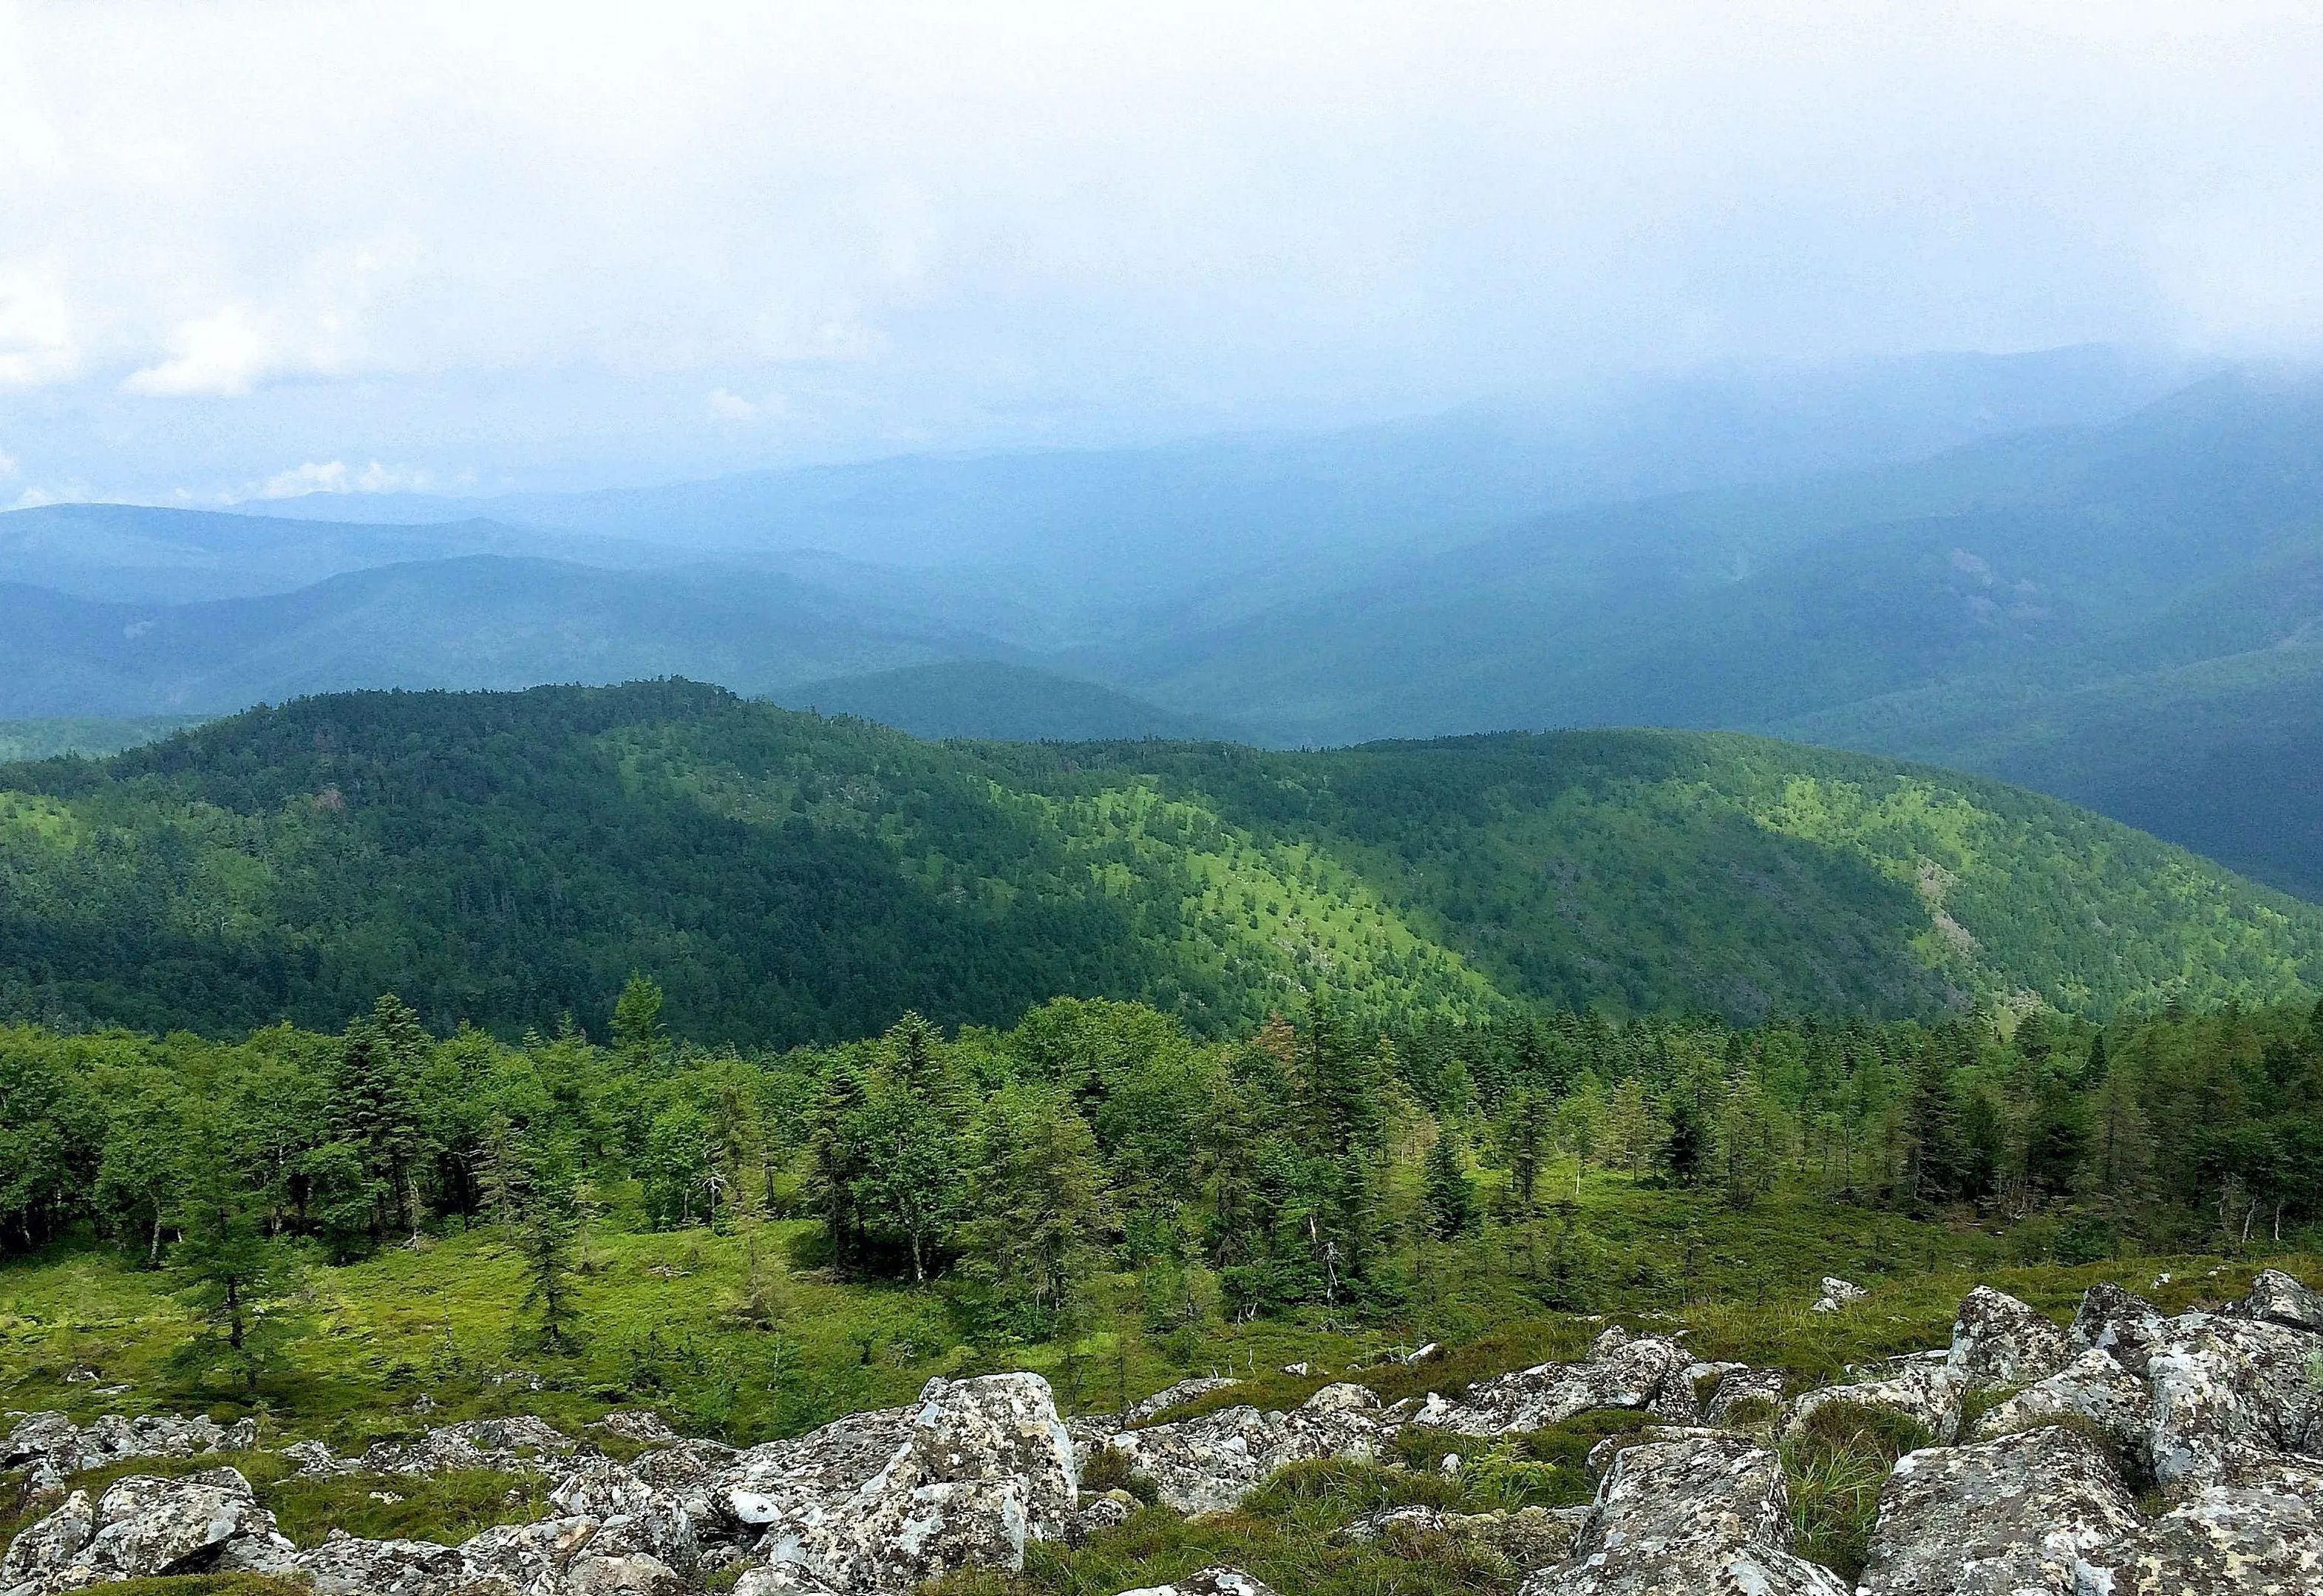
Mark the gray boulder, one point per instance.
(1741, 1384)
(2224, 1386)
(1169, 1397)
(2260, 1533)
(346, 1566)
(658, 1521)
(1998, 1340)
(141, 1527)
(1620, 1372)
(1524, 1538)
(1707, 1516)
(1208, 1464)
(886, 1500)
(570, 1557)
(2279, 1299)
(2003, 1517)
(522, 1442)
(2092, 1387)
(638, 1424)
(53, 1449)
(2119, 1322)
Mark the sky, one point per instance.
(260, 248)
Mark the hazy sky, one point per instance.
(248, 248)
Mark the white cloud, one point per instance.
(329, 477)
(36, 341)
(393, 478)
(726, 405)
(221, 353)
(7, 463)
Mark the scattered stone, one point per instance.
(1427, 1352)
(55, 1449)
(1621, 1373)
(2279, 1299)
(638, 1424)
(1300, 1370)
(1707, 1516)
(2003, 1517)
(2259, 1535)
(1837, 1294)
(2092, 1387)
(1998, 1340)
(519, 1443)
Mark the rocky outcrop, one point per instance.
(638, 1424)
(1708, 1514)
(140, 1529)
(1998, 1340)
(1177, 1395)
(2278, 1300)
(1206, 1464)
(1522, 1538)
(2092, 1387)
(2224, 1386)
(1923, 1388)
(51, 1448)
(2259, 1535)
(1621, 1371)
(518, 1444)
(884, 1502)
(2002, 1518)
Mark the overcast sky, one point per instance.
(249, 248)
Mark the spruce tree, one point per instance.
(1451, 1198)
(548, 1223)
(230, 1271)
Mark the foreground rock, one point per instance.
(886, 1501)
(1708, 1515)
(52, 1449)
(1209, 1581)
(2260, 1535)
(2092, 1387)
(1924, 1390)
(1996, 1518)
(142, 1527)
(2116, 1322)
(1523, 1538)
(1208, 1464)
(2279, 1299)
(1622, 1372)
(2226, 1387)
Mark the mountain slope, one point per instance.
(506, 859)
(478, 622)
(983, 698)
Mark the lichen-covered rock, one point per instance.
(517, 1443)
(1707, 1516)
(881, 1503)
(2002, 1518)
(1685, 1395)
(1837, 1294)
(2119, 1322)
(1206, 1464)
(658, 1521)
(1924, 1390)
(141, 1527)
(2260, 1533)
(1162, 1401)
(2279, 1299)
(638, 1424)
(2224, 1386)
(1209, 1581)
(1744, 1391)
(2092, 1387)
(1998, 1340)
(352, 1567)
(52, 1449)
(1622, 1372)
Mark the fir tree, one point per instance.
(1451, 1196)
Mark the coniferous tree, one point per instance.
(638, 1034)
(1527, 1130)
(1451, 1196)
(230, 1271)
(547, 1225)
(1931, 1126)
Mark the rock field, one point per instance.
(2048, 1439)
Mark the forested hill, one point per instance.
(506, 859)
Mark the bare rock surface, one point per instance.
(2003, 1517)
(52, 1448)
(2226, 1386)
(1206, 1464)
(1524, 1537)
(1837, 1294)
(638, 1424)
(1162, 1401)
(2092, 1387)
(2260, 1533)
(522, 1442)
(1707, 1515)
(1998, 1340)
(1622, 1372)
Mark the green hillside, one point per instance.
(47, 738)
(984, 698)
(505, 859)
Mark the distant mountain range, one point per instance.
(2124, 610)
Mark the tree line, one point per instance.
(1303, 1166)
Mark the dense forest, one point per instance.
(503, 859)
(1303, 1166)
